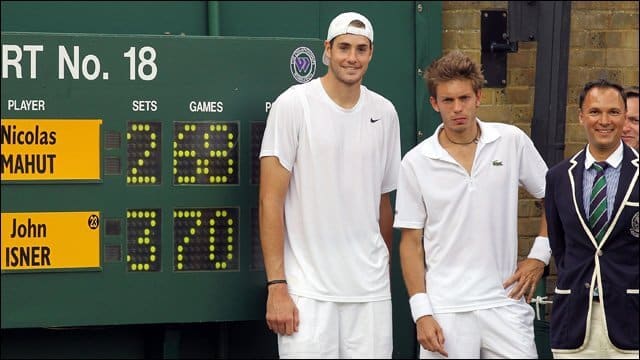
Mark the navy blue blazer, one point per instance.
(582, 263)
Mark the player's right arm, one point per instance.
(282, 314)
(429, 333)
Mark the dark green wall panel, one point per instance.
(270, 18)
(106, 17)
(407, 38)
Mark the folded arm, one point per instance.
(530, 270)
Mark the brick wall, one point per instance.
(603, 43)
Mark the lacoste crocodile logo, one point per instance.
(496, 163)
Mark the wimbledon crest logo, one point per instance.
(303, 64)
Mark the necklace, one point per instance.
(473, 141)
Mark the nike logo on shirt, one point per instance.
(374, 120)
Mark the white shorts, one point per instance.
(500, 332)
(340, 330)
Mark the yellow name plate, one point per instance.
(50, 240)
(39, 149)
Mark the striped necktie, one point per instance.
(598, 216)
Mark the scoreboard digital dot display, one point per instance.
(205, 239)
(143, 240)
(143, 153)
(257, 133)
(205, 153)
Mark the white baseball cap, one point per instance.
(340, 26)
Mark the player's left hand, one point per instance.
(525, 278)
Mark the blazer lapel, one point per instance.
(626, 183)
(576, 172)
(626, 175)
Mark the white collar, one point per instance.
(433, 149)
(613, 160)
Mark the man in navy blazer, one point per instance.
(595, 306)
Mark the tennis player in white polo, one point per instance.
(457, 206)
(330, 157)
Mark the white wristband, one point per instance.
(541, 250)
(420, 306)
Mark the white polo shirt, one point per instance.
(341, 162)
(470, 222)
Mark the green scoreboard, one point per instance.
(129, 169)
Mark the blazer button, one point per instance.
(599, 252)
(587, 285)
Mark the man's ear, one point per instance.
(580, 117)
(327, 46)
(434, 103)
